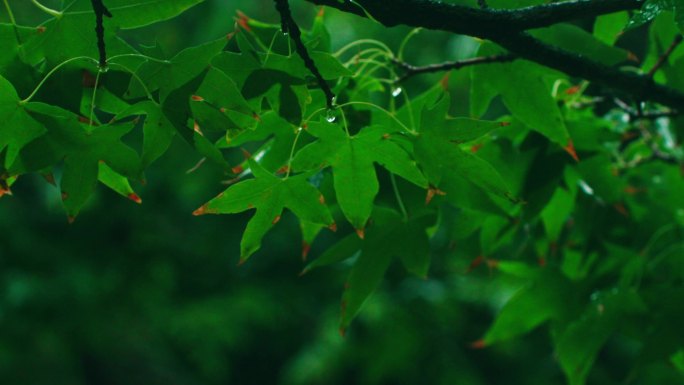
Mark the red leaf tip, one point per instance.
(479, 344)
(135, 198)
(200, 211)
(570, 149)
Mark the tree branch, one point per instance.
(505, 27)
(410, 70)
(289, 26)
(479, 22)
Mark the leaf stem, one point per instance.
(408, 130)
(52, 71)
(400, 201)
(12, 20)
(92, 101)
(344, 122)
(47, 10)
(292, 151)
(138, 55)
(359, 42)
(133, 74)
(10, 14)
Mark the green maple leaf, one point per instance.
(158, 131)
(269, 195)
(129, 14)
(82, 148)
(352, 160)
(168, 75)
(18, 128)
(410, 243)
(445, 164)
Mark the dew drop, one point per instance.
(396, 91)
(331, 116)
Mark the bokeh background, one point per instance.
(148, 294)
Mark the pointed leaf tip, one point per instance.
(71, 219)
(196, 98)
(200, 211)
(479, 344)
(333, 227)
(361, 233)
(343, 332)
(570, 149)
(276, 220)
(135, 198)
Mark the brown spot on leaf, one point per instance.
(475, 263)
(65, 196)
(276, 220)
(444, 82)
(41, 29)
(361, 233)
(246, 154)
(476, 147)
(431, 192)
(71, 219)
(573, 90)
(306, 248)
(196, 98)
(620, 208)
(50, 178)
(333, 227)
(237, 169)
(88, 80)
(321, 199)
(479, 344)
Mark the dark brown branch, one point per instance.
(290, 27)
(482, 23)
(504, 28)
(100, 12)
(410, 70)
(663, 58)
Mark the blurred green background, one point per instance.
(150, 294)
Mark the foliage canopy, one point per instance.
(565, 174)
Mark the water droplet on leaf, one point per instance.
(396, 91)
(331, 116)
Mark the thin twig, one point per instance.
(639, 113)
(411, 70)
(663, 58)
(290, 27)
